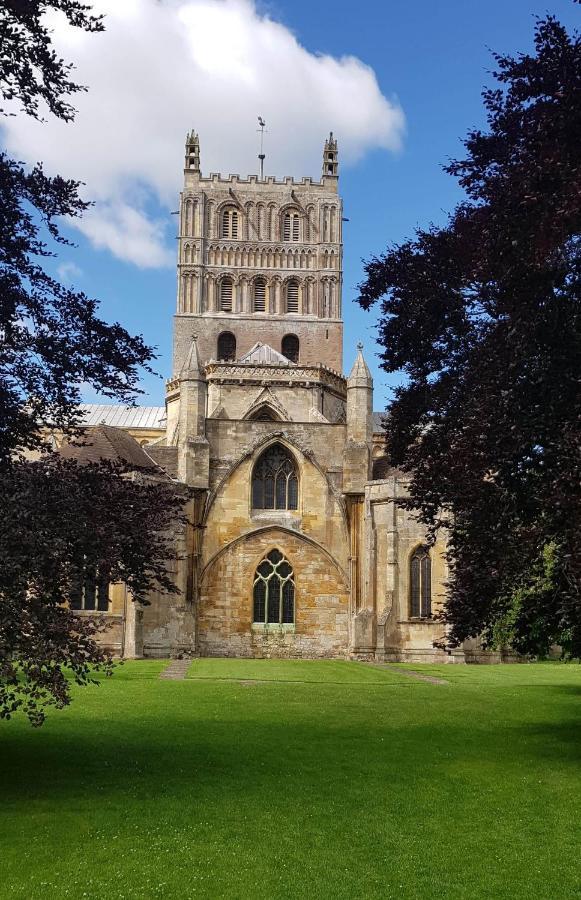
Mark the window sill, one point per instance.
(273, 627)
(96, 612)
(417, 620)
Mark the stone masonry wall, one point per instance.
(321, 340)
(225, 626)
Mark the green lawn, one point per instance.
(276, 779)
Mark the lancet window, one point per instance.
(421, 584)
(274, 591)
(274, 481)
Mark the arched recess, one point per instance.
(265, 529)
(304, 458)
(264, 413)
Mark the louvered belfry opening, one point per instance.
(226, 347)
(259, 295)
(226, 295)
(292, 296)
(291, 230)
(274, 591)
(229, 224)
(290, 347)
(421, 584)
(275, 484)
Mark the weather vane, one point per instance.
(261, 156)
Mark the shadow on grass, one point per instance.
(109, 759)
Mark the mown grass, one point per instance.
(274, 779)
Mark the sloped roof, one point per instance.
(263, 353)
(123, 416)
(107, 442)
(378, 418)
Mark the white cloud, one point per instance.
(162, 68)
(68, 272)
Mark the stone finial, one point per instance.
(360, 375)
(191, 367)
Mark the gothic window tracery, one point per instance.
(274, 591)
(226, 346)
(421, 584)
(274, 481)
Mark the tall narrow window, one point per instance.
(274, 480)
(259, 295)
(290, 347)
(421, 584)
(229, 223)
(226, 295)
(291, 227)
(292, 296)
(227, 346)
(90, 591)
(274, 591)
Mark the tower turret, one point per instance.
(357, 455)
(193, 447)
(192, 152)
(331, 157)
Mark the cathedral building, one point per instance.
(296, 546)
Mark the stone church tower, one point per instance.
(296, 545)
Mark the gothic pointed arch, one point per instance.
(273, 590)
(275, 483)
(421, 583)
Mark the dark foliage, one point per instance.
(60, 519)
(484, 317)
(57, 518)
(30, 70)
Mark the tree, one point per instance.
(483, 316)
(59, 519)
(52, 339)
(63, 524)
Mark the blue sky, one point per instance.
(432, 57)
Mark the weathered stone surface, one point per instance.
(348, 541)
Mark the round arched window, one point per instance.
(226, 346)
(290, 347)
